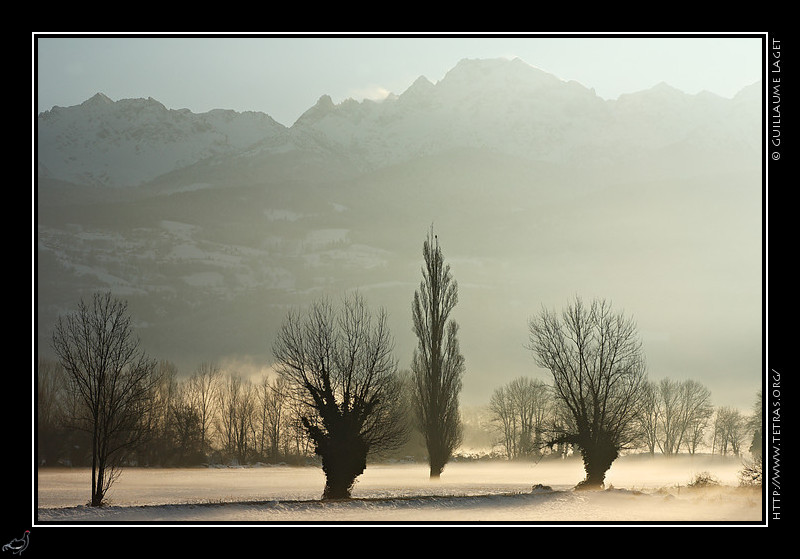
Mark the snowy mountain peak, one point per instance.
(131, 141)
(504, 105)
(499, 73)
(323, 107)
(98, 99)
(420, 85)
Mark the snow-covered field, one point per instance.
(637, 490)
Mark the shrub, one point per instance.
(704, 479)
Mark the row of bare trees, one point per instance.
(673, 417)
(521, 411)
(211, 415)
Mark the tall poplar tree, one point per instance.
(437, 366)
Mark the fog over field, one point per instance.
(638, 490)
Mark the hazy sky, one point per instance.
(283, 76)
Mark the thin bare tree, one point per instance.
(112, 381)
(730, 431)
(648, 417)
(201, 394)
(521, 409)
(696, 412)
(235, 417)
(51, 410)
(273, 420)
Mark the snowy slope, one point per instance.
(131, 141)
(402, 493)
(505, 106)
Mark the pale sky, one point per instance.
(283, 76)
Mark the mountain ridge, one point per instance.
(506, 105)
(649, 199)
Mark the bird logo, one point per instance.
(18, 545)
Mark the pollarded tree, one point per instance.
(598, 369)
(437, 365)
(112, 381)
(340, 368)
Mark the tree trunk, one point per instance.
(344, 458)
(438, 456)
(436, 470)
(597, 460)
(341, 468)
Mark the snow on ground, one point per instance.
(401, 494)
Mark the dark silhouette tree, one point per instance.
(437, 366)
(112, 381)
(598, 370)
(340, 368)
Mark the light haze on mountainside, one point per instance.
(213, 225)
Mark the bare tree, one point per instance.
(437, 365)
(340, 368)
(112, 380)
(236, 413)
(273, 421)
(51, 409)
(201, 394)
(502, 410)
(648, 417)
(684, 411)
(670, 424)
(696, 411)
(755, 424)
(729, 431)
(159, 447)
(186, 430)
(521, 408)
(598, 370)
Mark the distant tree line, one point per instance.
(673, 417)
(219, 417)
(211, 416)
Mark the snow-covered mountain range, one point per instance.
(211, 224)
(505, 106)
